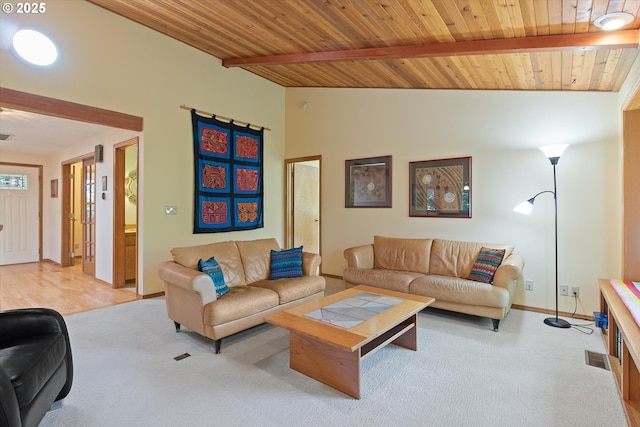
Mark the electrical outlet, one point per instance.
(528, 285)
(564, 290)
(575, 291)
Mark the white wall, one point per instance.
(109, 62)
(501, 131)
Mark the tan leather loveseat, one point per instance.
(191, 297)
(439, 269)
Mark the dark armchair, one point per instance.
(36, 368)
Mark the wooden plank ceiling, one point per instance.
(425, 44)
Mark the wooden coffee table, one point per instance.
(331, 354)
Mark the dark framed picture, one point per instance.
(440, 188)
(368, 182)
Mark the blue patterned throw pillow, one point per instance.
(486, 264)
(212, 268)
(286, 263)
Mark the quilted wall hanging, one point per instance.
(228, 176)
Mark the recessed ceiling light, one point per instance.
(613, 21)
(34, 47)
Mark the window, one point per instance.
(14, 182)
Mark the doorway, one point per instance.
(79, 213)
(20, 213)
(75, 208)
(303, 220)
(125, 218)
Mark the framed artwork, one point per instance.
(440, 188)
(229, 176)
(368, 183)
(54, 188)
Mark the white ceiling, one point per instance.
(40, 134)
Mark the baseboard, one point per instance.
(154, 295)
(552, 312)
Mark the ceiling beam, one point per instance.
(582, 41)
(31, 103)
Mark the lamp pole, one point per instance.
(555, 321)
(553, 153)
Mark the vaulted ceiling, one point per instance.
(426, 44)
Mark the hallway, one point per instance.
(66, 290)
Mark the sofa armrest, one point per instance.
(359, 256)
(29, 322)
(509, 272)
(9, 408)
(187, 278)
(311, 264)
(26, 323)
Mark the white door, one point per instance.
(19, 196)
(306, 206)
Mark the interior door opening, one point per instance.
(78, 213)
(303, 220)
(125, 218)
(75, 210)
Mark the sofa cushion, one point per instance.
(238, 303)
(455, 258)
(225, 253)
(213, 270)
(401, 254)
(31, 363)
(487, 262)
(380, 278)
(286, 264)
(294, 289)
(461, 291)
(256, 257)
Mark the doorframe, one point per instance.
(39, 104)
(65, 194)
(40, 203)
(289, 205)
(119, 278)
(630, 181)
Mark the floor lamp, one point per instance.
(553, 153)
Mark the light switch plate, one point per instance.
(171, 210)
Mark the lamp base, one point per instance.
(557, 323)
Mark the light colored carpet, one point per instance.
(463, 374)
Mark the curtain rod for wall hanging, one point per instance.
(238, 122)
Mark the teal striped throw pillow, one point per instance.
(286, 263)
(212, 268)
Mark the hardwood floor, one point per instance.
(67, 290)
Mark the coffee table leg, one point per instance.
(332, 366)
(410, 338)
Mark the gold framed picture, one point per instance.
(440, 188)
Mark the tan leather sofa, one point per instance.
(191, 297)
(439, 269)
